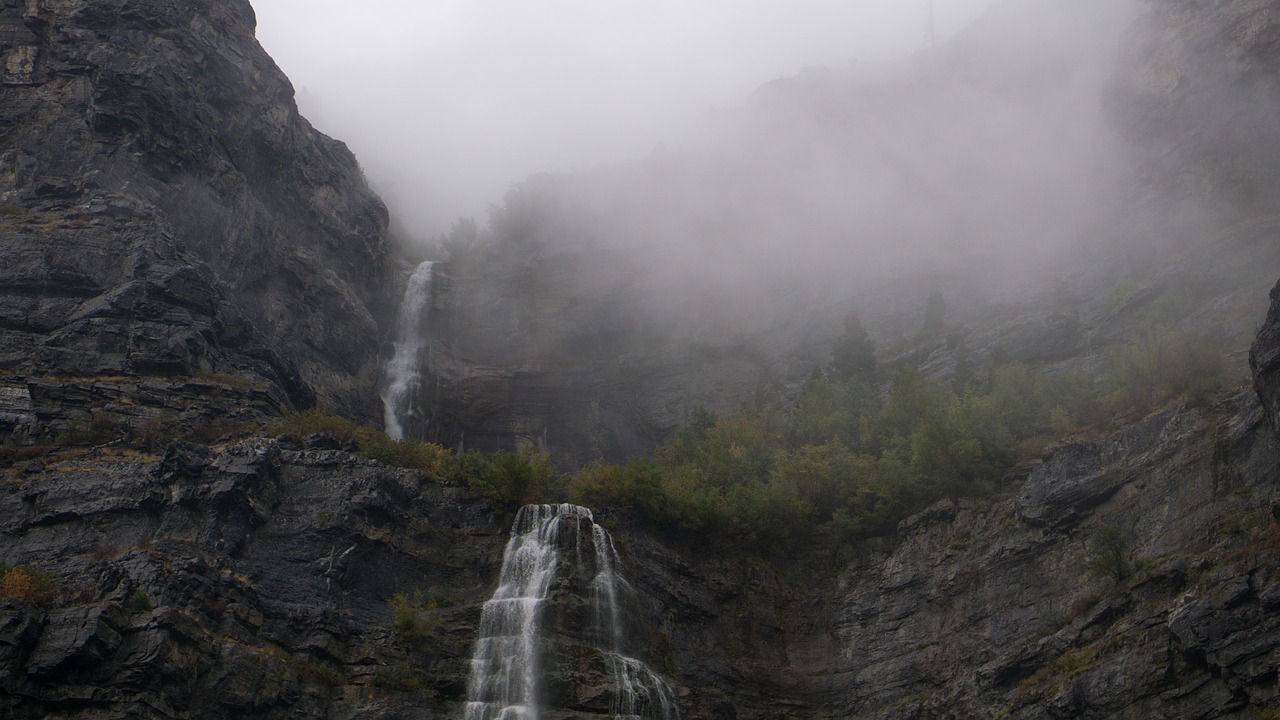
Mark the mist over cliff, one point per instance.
(448, 103)
(1014, 164)
(973, 156)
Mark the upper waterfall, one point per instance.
(401, 374)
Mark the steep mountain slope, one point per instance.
(167, 212)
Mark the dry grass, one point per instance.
(1262, 540)
(27, 583)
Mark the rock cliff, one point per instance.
(165, 212)
(176, 241)
(260, 578)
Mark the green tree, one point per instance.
(1109, 553)
(517, 478)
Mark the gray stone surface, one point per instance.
(167, 211)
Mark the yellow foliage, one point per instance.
(27, 583)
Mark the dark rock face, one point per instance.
(265, 570)
(981, 608)
(252, 581)
(167, 211)
(1264, 359)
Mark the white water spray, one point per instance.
(506, 673)
(402, 372)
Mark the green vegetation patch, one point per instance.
(504, 477)
(413, 619)
(1160, 364)
(139, 601)
(403, 677)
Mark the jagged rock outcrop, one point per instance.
(256, 579)
(1264, 359)
(165, 211)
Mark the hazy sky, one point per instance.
(447, 102)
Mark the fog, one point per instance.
(977, 162)
(676, 208)
(446, 103)
(736, 170)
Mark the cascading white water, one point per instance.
(638, 691)
(400, 376)
(504, 667)
(505, 676)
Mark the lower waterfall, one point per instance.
(513, 658)
(400, 377)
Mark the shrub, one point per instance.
(101, 427)
(829, 412)
(411, 620)
(1159, 364)
(309, 422)
(1109, 553)
(430, 458)
(515, 478)
(853, 354)
(636, 486)
(768, 512)
(1064, 667)
(25, 582)
(160, 429)
(1268, 712)
(139, 601)
(11, 210)
(323, 673)
(1264, 539)
(211, 430)
(402, 677)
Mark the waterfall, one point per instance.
(506, 668)
(402, 370)
(638, 691)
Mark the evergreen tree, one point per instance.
(854, 353)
